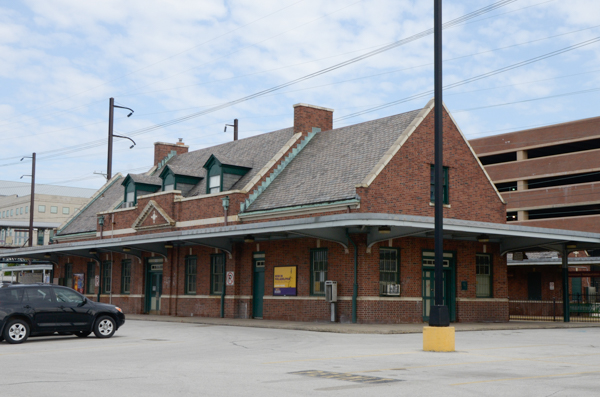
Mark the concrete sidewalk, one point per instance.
(355, 328)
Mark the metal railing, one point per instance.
(582, 308)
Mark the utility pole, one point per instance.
(32, 200)
(439, 316)
(235, 129)
(111, 111)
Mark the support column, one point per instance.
(565, 274)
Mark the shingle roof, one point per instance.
(147, 179)
(185, 171)
(333, 163)
(252, 152)
(85, 220)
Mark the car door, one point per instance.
(74, 313)
(40, 304)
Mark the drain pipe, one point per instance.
(355, 286)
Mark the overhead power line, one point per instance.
(474, 78)
(454, 22)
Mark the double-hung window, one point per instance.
(318, 271)
(445, 192)
(126, 276)
(215, 183)
(190, 274)
(217, 273)
(483, 271)
(389, 271)
(107, 277)
(69, 275)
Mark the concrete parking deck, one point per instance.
(348, 328)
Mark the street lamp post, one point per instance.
(111, 110)
(32, 199)
(439, 316)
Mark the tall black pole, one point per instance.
(32, 200)
(111, 110)
(235, 129)
(438, 316)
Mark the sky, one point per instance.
(63, 59)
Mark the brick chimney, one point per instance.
(162, 149)
(308, 116)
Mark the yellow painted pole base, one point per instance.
(438, 339)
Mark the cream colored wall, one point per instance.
(15, 203)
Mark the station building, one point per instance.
(254, 228)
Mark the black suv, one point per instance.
(45, 309)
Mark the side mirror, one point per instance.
(85, 300)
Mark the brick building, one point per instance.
(254, 227)
(549, 177)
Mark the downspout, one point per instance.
(223, 289)
(100, 283)
(355, 286)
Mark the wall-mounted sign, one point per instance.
(284, 281)
(97, 281)
(551, 286)
(229, 279)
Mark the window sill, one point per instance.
(444, 205)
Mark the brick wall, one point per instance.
(404, 184)
(162, 149)
(308, 116)
(371, 308)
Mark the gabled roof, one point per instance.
(108, 197)
(143, 178)
(333, 163)
(255, 152)
(183, 171)
(227, 160)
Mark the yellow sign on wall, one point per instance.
(284, 282)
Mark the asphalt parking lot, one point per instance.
(147, 358)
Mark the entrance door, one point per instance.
(534, 286)
(154, 278)
(428, 287)
(258, 285)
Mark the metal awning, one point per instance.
(377, 227)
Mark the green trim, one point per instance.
(491, 295)
(445, 188)
(312, 273)
(188, 274)
(397, 278)
(299, 207)
(450, 281)
(126, 264)
(106, 276)
(213, 274)
(98, 195)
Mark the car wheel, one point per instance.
(16, 331)
(82, 334)
(105, 327)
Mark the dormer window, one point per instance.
(179, 178)
(138, 185)
(223, 173)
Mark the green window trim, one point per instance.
(191, 274)
(318, 271)
(389, 268)
(445, 188)
(126, 276)
(217, 273)
(484, 276)
(214, 167)
(106, 277)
